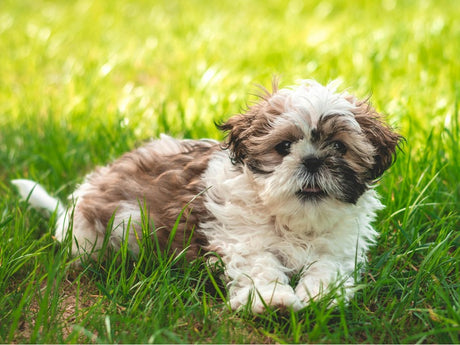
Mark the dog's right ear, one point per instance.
(238, 131)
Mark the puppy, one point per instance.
(290, 191)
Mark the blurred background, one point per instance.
(178, 65)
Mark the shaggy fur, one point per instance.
(290, 191)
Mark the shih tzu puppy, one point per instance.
(290, 191)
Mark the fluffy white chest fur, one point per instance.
(288, 192)
(262, 247)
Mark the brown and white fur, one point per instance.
(290, 191)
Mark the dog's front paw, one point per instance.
(272, 295)
(313, 288)
(310, 289)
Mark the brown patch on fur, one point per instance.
(384, 139)
(164, 183)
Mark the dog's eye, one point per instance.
(283, 148)
(339, 147)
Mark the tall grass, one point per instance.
(82, 82)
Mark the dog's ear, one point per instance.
(238, 131)
(384, 139)
(254, 122)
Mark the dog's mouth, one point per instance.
(312, 189)
(311, 192)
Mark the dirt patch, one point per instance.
(75, 302)
(75, 298)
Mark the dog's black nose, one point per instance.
(312, 163)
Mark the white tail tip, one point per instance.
(37, 196)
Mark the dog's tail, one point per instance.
(37, 196)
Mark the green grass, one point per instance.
(82, 82)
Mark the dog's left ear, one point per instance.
(254, 122)
(238, 130)
(384, 139)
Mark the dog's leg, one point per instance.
(259, 279)
(86, 239)
(318, 279)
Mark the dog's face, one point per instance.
(311, 144)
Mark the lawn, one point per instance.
(83, 81)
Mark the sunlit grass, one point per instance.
(82, 82)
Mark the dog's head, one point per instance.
(311, 143)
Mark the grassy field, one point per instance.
(83, 81)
